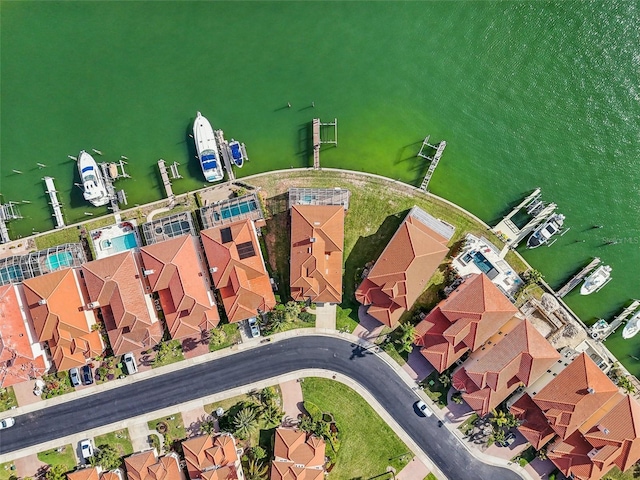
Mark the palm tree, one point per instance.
(245, 422)
(272, 414)
(405, 341)
(499, 418)
(256, 470)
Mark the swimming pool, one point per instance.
(10, 274)
(484, 265)
(237, 209)
(59, 260)
(121, 243)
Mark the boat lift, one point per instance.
(8, 211)
(602, 329)
(439, 148)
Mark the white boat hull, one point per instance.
(94, 188)
(207, 149)
(598, 279)
(632, 327)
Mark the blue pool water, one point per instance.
(240, 208)
(123, 242)
(59, 260)
(10, 273)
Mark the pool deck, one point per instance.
(99, 235)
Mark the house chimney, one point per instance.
(603, 429)
(93, 305)
(591, 390)
(146, 273)
(213, 269)
(42, 301)
(312, 239)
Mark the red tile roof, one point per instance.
(534, 426)
(240, 276)
(518, 355)
(207, 452)
(297, 456)
(463, 322)
(58, 308)
(18, 361)
(401, 273)
(93, 473)
(175, 269)
(114, 283)
(317, 243)
(147, 466)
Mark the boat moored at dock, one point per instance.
(632, 326)
(236, 153)
(95, 190)
(207, 149)
(598, 279)
(544, 232)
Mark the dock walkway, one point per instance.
(424, 186)
(601, 330)
(223, 146)
(55, 204)
(166, 182)
(573, 283)
(316, 143)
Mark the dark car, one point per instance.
(87, 375)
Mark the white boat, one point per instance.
(95, 191)
(598, 279)
(544, 232)
(207, 149)
(632, 326)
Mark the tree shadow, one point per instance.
(304, 144)
(189, 344)
(368, 249)
(358, 351)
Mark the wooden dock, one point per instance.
(315, 124)
(601, 330)
(576, 279)
(223, 146)
(55, 204)
(434, 160)
(111, 191)
(165, 181)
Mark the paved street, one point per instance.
(278, 358)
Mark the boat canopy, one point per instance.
(235, 151)
(87, 169)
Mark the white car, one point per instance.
(86, 449)
(7, 422)
(423, 408)
(74, 376)
(255, 328)
(130, 363)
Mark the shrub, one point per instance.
(313, 410)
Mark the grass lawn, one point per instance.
(174, 422)
(58, 237)
(367, 443)
(431, 476)
(435, 390)
(7, 399)
(100, 223)
(65, 457)
(119, 439)
(6, 470)
(347, 317)
(231, 336)
(168, 353)
(527, 456)
(616, 474)
(294, 325)
(468, 423)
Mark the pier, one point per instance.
(601, 329)
(8, 211)
(55, 204)
(434, 160)
(576, 279)
(174, 171)
(223, 146)
(316, 125)
(166, 182)
(538, 210)
(111, 191)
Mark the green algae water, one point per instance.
(526, 94)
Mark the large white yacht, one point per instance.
(632, 326)
(95, 191)
(207, 149)
(598, 279)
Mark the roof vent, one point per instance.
(213, 269)
(42, 301)
(312, 239)
(591, 390)
(146, 273)
(93, 305)
(603, 429)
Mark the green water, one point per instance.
(526, 95)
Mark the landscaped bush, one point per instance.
(313, 410)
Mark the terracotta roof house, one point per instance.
(57, 304)
(317, 244)
(175, 270)
(212, 457)
(115, 287)
(21, 356)
(475, 311)
(238, 270)
(147, 466)
(405, 266)
(297, 456)
(517, 355)
(596, 426)
(94, 473)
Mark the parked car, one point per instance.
(74, 375)
(130, 363)
(255, 328)
(423, 408)
(86, 449)
(7, 422)
(508, 440)
(87, 375)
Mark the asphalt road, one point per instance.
(250, 366)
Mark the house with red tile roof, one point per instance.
(317, 244)
(593, 426)
(517, 355)
(212, 457)
(21, 356)
(94, 473)
(297, 456)
(148, 466)
(175, 269)
(238, 269)
(405, 266)
(57, 303)
(115, 287)
(464, 321)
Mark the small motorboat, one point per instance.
(632, 326)
(236, 153)
(598, 279)
(544, 232)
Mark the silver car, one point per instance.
(255, 328)
(130, 363)
(74, 376)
